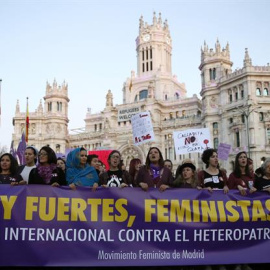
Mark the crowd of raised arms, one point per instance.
(80, 169)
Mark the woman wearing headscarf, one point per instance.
(153, 173)
(47, 172)
(78, 171)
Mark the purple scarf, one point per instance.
(46, 172)
(155, 171)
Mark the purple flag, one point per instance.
(21, 149)
(12, 150)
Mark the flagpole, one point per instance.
(26, 121)
(0, 101)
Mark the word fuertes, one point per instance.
(155, 210)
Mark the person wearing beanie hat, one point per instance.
(186, 176)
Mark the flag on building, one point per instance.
(27, 122)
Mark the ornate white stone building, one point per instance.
(229, 99)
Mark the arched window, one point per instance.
(261, 116)
(268, 136)
(258, 92)
(176, 95)
(230, 96)
(216, 143)
(242, 94)
(143, 94)
(265, 92)
(237, 139)
(49, 107)
(215, 125)
(211, 74)
(243, 118)
(214, 73)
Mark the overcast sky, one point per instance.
(91, 45)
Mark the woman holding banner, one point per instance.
(115, 176)
(8, 168)
(262, 182)
(79, 172)
(242, 178)
(212, 177)
(23, 171)
(46, 172)
(154, 174)
(134, 167)
(186, 176)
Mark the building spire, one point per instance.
(247, 59)
(159, 18)
(154, 19)
(217, 46)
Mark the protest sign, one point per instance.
(192, 140)
(142, 128)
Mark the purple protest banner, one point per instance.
(48, 226)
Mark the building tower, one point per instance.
(154, 67)
(48, 126)
(56, 116)
(215, 65)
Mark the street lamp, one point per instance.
(246, 110)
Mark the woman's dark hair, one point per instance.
(91, 157)
(51, 154)
(110, 155)
(168, 160)
(61, 159)
(207, 154)
(132, 165)
(35, 152)
(160, 162)
(13, 163)
(237, 170)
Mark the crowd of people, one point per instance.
(80, 169)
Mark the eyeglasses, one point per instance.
(113, 156)
(42, 154)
